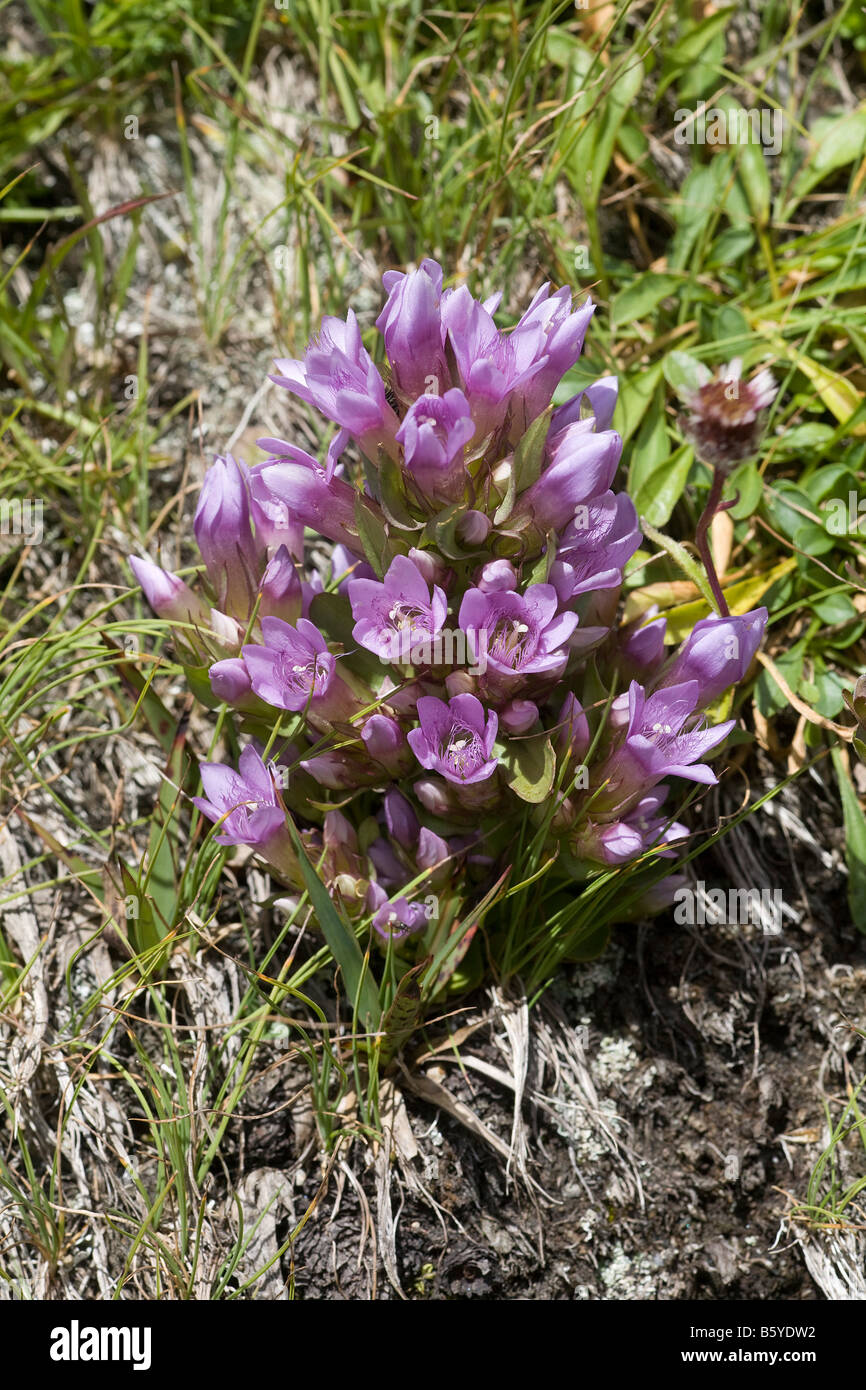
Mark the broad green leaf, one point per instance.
(747, 485)
(639, 298)
(684, 373)
(661, 491)
(636, 390)
(529, 767)
(837, 141)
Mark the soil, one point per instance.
(709, 1049)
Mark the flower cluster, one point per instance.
(457, 667)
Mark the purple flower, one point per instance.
(386, 742)
(223, 532)
(599, 540)
(230, 681)
(491, 364)
(281, 589)
(583, 465)
(717, 653)
(400, 819)
(517, 634)
(454, 739)
(598, 400)
(572, 730)
(294, 670)
(246, 805)
(518, 717)
(346, 566)
(396, 918)
(641, 830)
(661, 740)
(433, 435)
(411, 326)
(643, 651)
(395, 618)
(338, 376)
(167, 595)
(300, 491)
(561, 341)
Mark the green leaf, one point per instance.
(529, 767)
(661, 491)
(379, 548)
(639, 298)
(833, 609)
(837, 141)
(636, 390)
(684, 373)
(756, 182)
(855, 842)
(342, 943)
(526, 464)
(747, 485)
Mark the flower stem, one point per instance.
(702, 540)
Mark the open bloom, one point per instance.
(294, 670)
(662, 739)
(455, 739)
(338, 376)
(725, 419)
(399, 615)
(433, 436)
(396, 918)
(717, 653)
(246, 805)
(517, 634)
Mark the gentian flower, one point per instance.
(491, 364)
(517, 635)
(433, 435)
(396, 918)
(641, 830)
(397, 617)
(167, 595)
(294, 670)
(598, 400)
(717, 653)
(582, 466)
(454, 738)
(281, 594)
(299, 488)
(223, 532)
(662, 740)
(248, 809)
(411, 326)
(599, 540)
(561, 342)
(338, 376)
